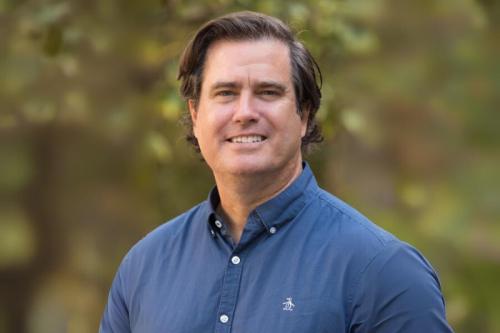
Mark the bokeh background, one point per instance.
(92, 154)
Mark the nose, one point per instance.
(245, 110)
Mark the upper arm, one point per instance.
(115, 318)
(398, 292)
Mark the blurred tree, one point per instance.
(92, 155)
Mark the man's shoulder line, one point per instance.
(353, 215)
(171, 227)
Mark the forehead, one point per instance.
(261, 59)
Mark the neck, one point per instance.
(240, 194)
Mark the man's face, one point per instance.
(246, 120)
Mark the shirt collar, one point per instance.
(280, 209)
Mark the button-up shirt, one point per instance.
(306, 263)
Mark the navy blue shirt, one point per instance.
(306, 263)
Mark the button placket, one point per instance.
(229, 294)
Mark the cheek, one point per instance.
(217, 120)
(209, 127)
(295, 125)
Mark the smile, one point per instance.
(247, 139)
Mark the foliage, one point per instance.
(92, 154)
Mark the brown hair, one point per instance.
(253, 26)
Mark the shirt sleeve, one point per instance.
(116, 317)
(398, 292)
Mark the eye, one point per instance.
(225, 93)
(269, 93)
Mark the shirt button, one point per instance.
(218, 224)
(272, 230)
(224, 318)
(235, 260)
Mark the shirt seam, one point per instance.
(351, 218)
(354, 289)
(383, 243)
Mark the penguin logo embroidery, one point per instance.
(288, 305)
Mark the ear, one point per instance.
(192, 112)
(304, 120)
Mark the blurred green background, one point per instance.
(92, 154)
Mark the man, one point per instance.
(269, 251)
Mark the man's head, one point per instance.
(250, 26)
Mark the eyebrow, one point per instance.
(261, 85)
(224, 84)
(272, 84)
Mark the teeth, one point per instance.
(247, 139)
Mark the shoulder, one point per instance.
(366, 248)
(383, 267)
(349, 226)
(359, 233)
(159, 240)
(398, 283)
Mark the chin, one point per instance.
(249, 168)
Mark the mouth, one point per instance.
(247, 139)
